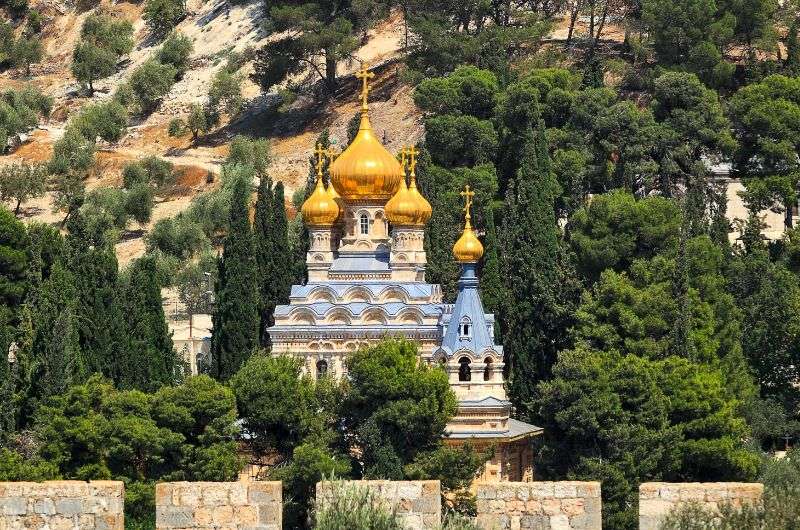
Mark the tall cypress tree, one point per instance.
(491, 286)
(271, 242)
(57, 358)
(534, 327)
(152, 361)
(101, 324)
(236, 315)
(263, 241)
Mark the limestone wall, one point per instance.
(417, 502)
(215, 505)
(62, 505)
(657, 499)
(540, 505)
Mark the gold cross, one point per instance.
(331, 153)
(320, 152)
(468, 195)
(365, 75)
(412, 158)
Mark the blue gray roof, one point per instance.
(516, 429)
(358, 308)
(361, 263)
(468, 307)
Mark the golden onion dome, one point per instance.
(408, 206)
(424, 210)
(320, 209)
(401, 208)
(468, 248)
(365, 169)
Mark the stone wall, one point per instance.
(657, 499)
(539, 505)
(219, 505)
(417, 502)
(62, 505)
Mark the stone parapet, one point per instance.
(417, 503)
(219, 505)
(539, 505)
(657, 499)
(62, 505)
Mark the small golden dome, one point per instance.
(320, 209)
(365, 169)
(424, 210)
(468, 248)
(408, 206)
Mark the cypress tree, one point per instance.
(491, 285)
(282, 278)
(57, 358)
(534, 331)
(236, 315)
(271, 240)
(101, 327)
(263, 241)
(152, 361)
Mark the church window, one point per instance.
(487, 371)
(363, 223)
(465, 328)
(464, 371)
(322, 369)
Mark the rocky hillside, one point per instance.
(216, 29)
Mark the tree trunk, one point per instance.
(16, 210)
(330, 71)
(591, 21)
(572, 19)
(190, 325)
(600, 27)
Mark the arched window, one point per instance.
(363, 223)
(322, 369)
(465, 328)
(464, 372)
(487, 371)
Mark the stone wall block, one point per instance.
(417, 503)
(539, 505)
(62, 504)
(219, 506)
(658, 499)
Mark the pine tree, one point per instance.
(236, 315)
(534, 331)
(152, 361)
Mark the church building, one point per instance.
(366, 281)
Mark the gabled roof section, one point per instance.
(468, 309)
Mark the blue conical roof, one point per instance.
(469, 309)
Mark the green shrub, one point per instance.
(150, 170)
(106, 120)
(176, 51)
(176, 128)
(34, 21)
(353, 508)
(226, 92)
(163, 15)
(150, 82)
(179, 237)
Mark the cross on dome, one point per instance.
(365, 75)
(321, 154)
(468, 195)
